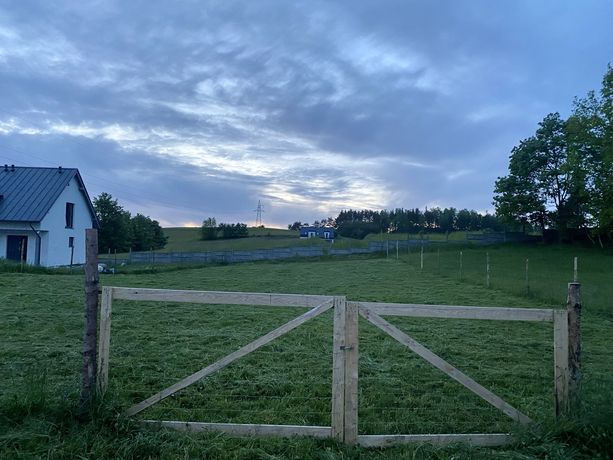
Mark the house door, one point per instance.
(17, 248)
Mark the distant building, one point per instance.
(43, 215)
(326, 233)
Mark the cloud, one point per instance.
(194, 109)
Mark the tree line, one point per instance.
(359, 223)
(211, 231)
(561, 177)
(120, 231)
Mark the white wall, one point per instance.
(22, 230)
(55, 250)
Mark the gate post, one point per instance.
(338, 370)
(345, 371)
(351, 372)
(567, 351)
(573, 307)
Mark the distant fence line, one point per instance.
(254, 255)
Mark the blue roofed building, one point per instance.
(43, 215)
(326, 233)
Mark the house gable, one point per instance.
(48, 206)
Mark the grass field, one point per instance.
(288, 381)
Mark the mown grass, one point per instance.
(288, 381)
(188, 239)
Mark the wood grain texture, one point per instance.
(459, 312)
(92, 281)
(244, 429)
(560, 356)
(351, 372)
(573, 307)
(219, 297)
(338, 370)
(104, 338)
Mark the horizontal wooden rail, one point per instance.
(246, 429)
(381, 440)
(457, 312)
(219, 297)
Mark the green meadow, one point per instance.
(289, 381)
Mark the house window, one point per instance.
(71, 241)
(69, 214)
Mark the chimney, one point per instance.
(6, 167)
(59, 169)
(12, 168)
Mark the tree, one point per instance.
(591, 142)
(209, 229)
(146, 233)
(541, 182)
(295, 226)
(229, 231)
(463, 220)
(115, 230)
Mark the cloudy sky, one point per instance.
(184, 110)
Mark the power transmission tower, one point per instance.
(258, 214)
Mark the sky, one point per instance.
(192, 109)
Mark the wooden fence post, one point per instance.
(487, 269)
(527, 278)
(92, 281)
(460, 265)
(573, 308)
(351, 373)
(338, 370)
(104, 339)
(421, 260)
(576, 270)
(560, 357)
(345, 371)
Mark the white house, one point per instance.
(43, 215)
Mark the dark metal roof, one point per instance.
(28, 193)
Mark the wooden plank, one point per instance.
(338, 370)
(245, 429)
(560, 356)
(490, 440)
(573, 307)
(444, 366)
(92, 279)
(459, 312)
(219, 297)
(260, 342)
(351, 373)
(104, 338)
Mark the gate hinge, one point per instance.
(346, 347)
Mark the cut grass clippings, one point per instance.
(288, 381)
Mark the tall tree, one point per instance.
(209, 228)
(540, 183)
(591, 141)
(146, 233)
(115, 229)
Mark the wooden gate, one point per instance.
(373, 312)
(345, 355)
(317, 305)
